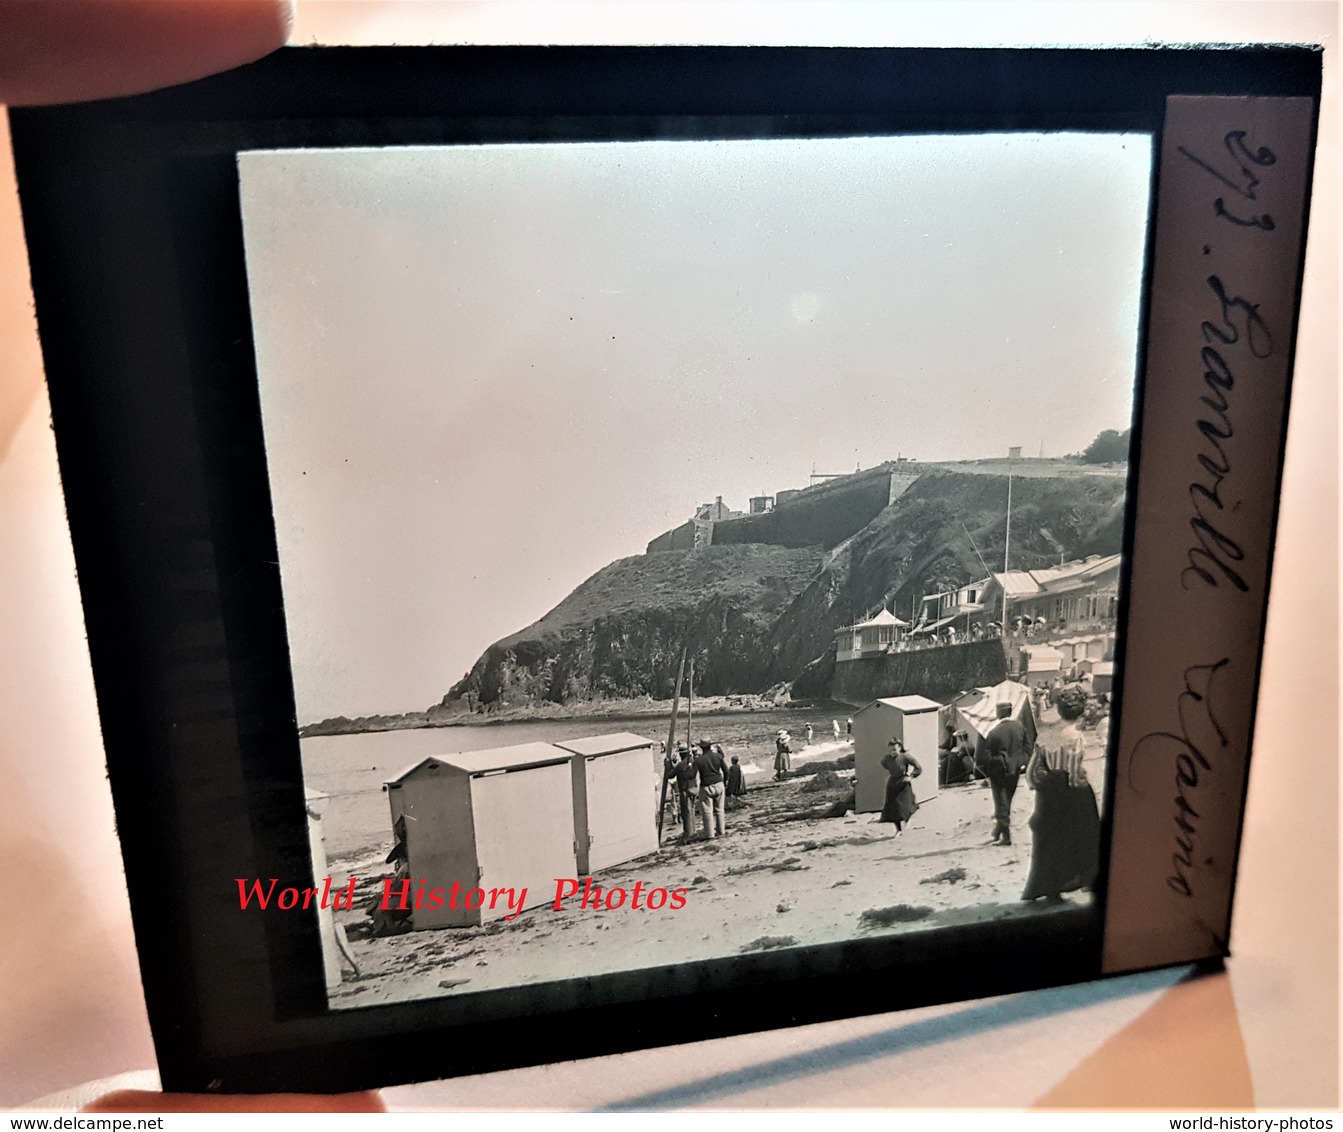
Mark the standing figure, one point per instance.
(835, 724)
(712, 770)
(810, 733)
(1065, 828)
(1005, 755)
(685, 791)
(783, 756)
(736, 785)
(848, 728)
(900, 767)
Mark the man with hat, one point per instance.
(1005, 749)
(683, 771)
(712, 770)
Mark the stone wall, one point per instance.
(937, 673)
(900, 483)
(824, 515)
(680, 538)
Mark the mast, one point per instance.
(690, 702)
(671, 741)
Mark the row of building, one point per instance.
(1068, 609)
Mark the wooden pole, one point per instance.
(690, 703)
(671, 744)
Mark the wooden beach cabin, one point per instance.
(1041, 665)
(912, 720)
(502, 818)
(616, 779)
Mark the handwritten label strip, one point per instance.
(1226, 261)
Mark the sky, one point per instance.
(488, 371)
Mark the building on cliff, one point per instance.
(960, 609)
(1079, 596)
(1056, 621)
(1060, 621)
(1066, 598)
(706, 515)
(877, 635)
(695, 533)
(824, 513)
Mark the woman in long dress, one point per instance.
(901, 767)
(783, 755)
(1065, 828)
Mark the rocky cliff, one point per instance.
(621, 632)
(760, 606)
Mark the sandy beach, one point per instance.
(782, 876)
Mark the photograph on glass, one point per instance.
(631, 546)
(688, 548)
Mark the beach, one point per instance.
(782, 875)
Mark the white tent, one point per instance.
(976, 711)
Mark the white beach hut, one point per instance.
(912, 720)
(492, 820)
(1043, 664)
(616, 779)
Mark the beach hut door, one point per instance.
(524, 825)
(621, 823)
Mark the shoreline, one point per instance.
(784, 875)
(616, 710)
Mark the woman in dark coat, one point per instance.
(1065, 828)
(901, 767)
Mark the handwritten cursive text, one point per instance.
(1192, 751)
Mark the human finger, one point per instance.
(54, 51)
(135, 1100)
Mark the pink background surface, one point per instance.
(72, 1008)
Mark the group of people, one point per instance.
(1065, 825)
(703, 777)
(950, 635)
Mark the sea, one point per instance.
(351, 769)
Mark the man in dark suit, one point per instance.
(683, 773)
(1005, 755)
